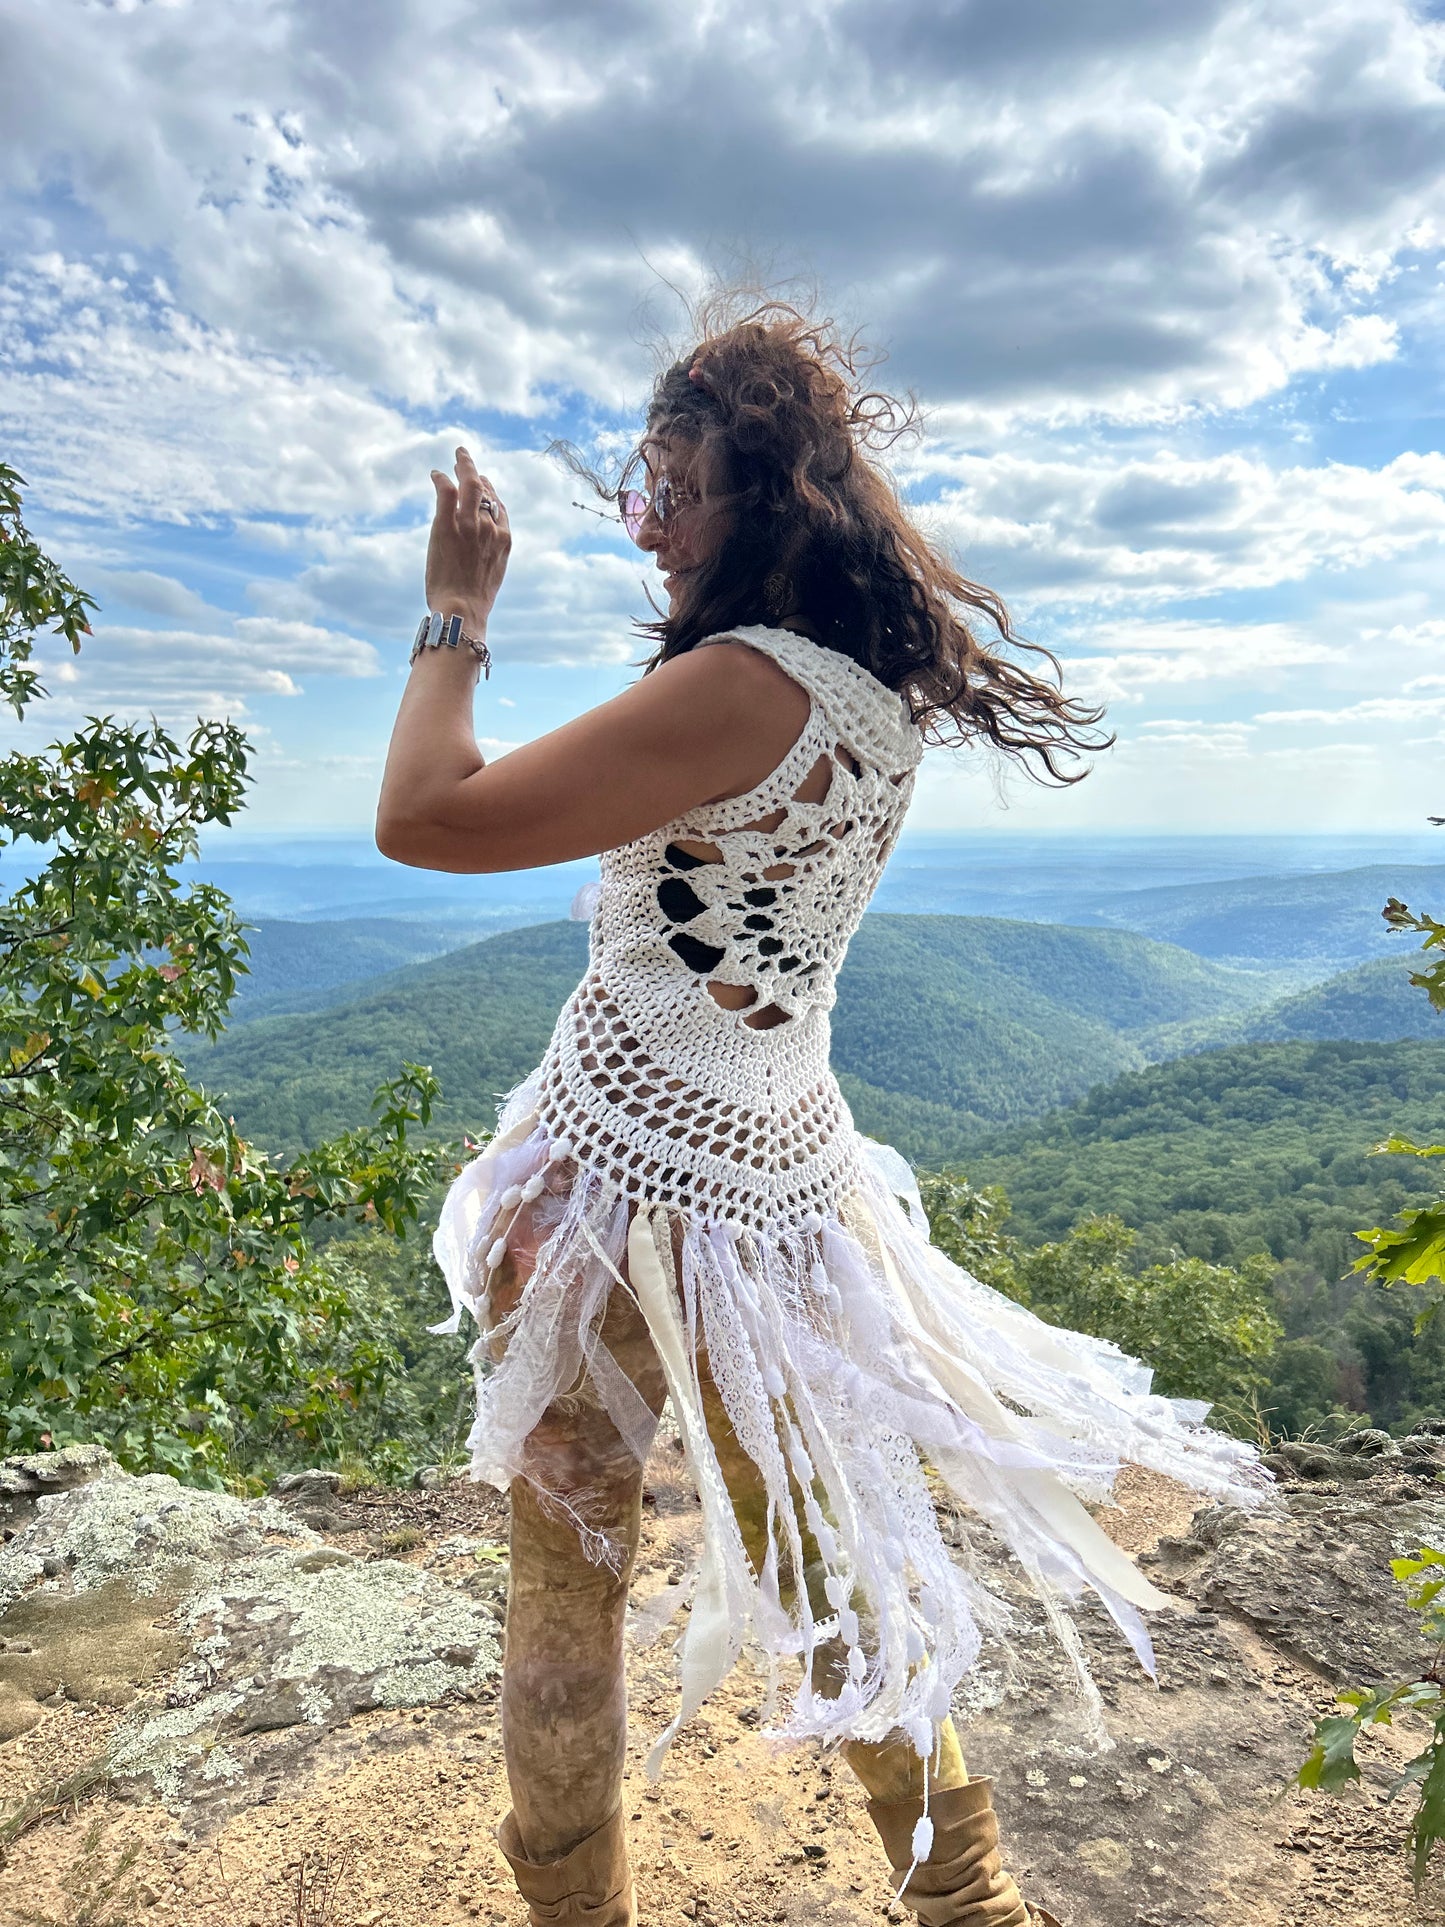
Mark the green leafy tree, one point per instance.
(1412, 1254)
(161, 1284)
(1412, 1251)
(1303, 1390)
(1331, 1763)
(1207, 1330)
(967, 1224)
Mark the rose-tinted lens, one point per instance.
(634, 510)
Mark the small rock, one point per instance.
(30, 1475)
(1368, 1441)
(318, 1483)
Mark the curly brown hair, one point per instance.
(773, 406)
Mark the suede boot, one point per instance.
(962, 1883)
(592, 1884)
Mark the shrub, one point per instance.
(161, 1286)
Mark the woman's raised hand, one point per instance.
(471, 539)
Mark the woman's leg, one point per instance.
(960, 1881)
(889, 1769)
(564, 1700)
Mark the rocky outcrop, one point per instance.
(1365, 1453)
(255, 1622)
(34, 1474)
(292, 1680)
(1183, 1823)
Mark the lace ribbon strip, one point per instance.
(840, 1356)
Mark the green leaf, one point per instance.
(1413, 1255)
(1331, 1761)
(1427, 1829)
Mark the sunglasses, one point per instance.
(665, 501)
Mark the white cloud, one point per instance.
(1123, 662)
(1198, 210)
(1228, 738)
(1159, 527)
(151, 593)
(119, 404)
(1411, 635)
(187, 673)
(1374, 709)
(304, 250)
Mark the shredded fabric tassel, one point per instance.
(847, 1352)
(922, 1842)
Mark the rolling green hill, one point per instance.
(944, 1025)
(1262, 1147)
(1331, 918)
(304, 966)
(1373, 1003)
(983, 1021)
(480, 1017)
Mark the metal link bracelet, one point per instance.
(446, 632)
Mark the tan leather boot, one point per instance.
(962, 1883)
(591, 1884)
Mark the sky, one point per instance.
(1166, 280)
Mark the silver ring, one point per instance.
(488, 505)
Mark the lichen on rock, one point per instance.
(265, 1626)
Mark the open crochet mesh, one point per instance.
(691, 1064)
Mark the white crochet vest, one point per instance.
(649, 1081)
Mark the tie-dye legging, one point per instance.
(564, 1695)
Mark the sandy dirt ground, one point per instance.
(393, 1824)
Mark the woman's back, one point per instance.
(691, 1065)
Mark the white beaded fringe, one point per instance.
(842, 1349)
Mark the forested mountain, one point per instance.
(1373, 1003)
(1330, 919)
(480, 1016)
(305, 966)
(992, 1020)
(1264, 1147)
(1261, 1148)
(944, 1025)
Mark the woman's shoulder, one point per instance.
(859, 706)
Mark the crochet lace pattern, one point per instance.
(732, 1114)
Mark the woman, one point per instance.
(676, 1204)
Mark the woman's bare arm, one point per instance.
(706, 725)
